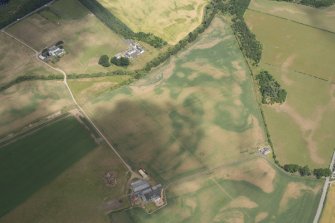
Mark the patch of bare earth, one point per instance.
(257, 172)
(203, 67)
(285, 69)
(230, 216)
(241, 202)
(261, 216)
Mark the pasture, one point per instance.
(86, 89)
(328, 213)
(33, 161)
(307, 115)
(19, 61)
(296, 49)
(85, 37)
(251, 191)
(323, 18)
(170, 20)
(195, 112)
(25, 103)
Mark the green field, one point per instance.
(170, 20)
(87, 89)
(296, 49)
(307, 115)
(323, 18)
(30, 163)
(218, 198)
(195, 112)
(85, 37)
(27, 102)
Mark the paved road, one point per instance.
(324, 193)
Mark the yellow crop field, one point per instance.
(328, 215)
(170, 20)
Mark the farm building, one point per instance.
(264, 151)
(55, 51)
(133, 51)
(143, 191)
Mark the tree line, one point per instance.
(30, 78)
(250, 46)
(119, 27)
(313, 3)
(305, 171)
(22, 10)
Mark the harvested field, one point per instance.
(323, 18)
(328, 213)
(25, 103)
(19, 61)
(170, 20)
(30, 163)
(181, 119)
(215, 198)
(85, 37)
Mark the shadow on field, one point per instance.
(159, 139)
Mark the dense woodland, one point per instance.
(121, 61)
(270, 89)
(20, 9)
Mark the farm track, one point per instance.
(72, 97)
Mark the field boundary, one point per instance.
(303, 73)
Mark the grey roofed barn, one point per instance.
(139, 185)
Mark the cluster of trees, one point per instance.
(121, 61)
(104, 61)
(22, 8)
(313, 3)
(119, 27)
(305, 171)
(270, 89)
(293, 168)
